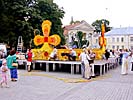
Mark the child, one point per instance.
(4, 70)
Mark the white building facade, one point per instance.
(70, 32)
(120, 38)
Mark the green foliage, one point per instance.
(21, 17)
(97, 24)
(80, 41)
(80, 35)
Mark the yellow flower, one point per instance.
(38, 40)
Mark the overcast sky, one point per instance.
(118, 12)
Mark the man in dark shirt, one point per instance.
(107, 54)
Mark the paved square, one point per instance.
(40, 85)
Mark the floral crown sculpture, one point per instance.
(46, 39)
(53, 39)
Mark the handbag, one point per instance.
(14, 64)
(91, 61)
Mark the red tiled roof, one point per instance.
(68, 27)
(71, 26)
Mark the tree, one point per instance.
(48, 11)
(21, 17)
(13, 23)
(97, 25)
(81, 42)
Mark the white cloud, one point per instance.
(118, 12)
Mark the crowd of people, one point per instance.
(125, 59)
(86, 57)
(10, 64)
(7, 64)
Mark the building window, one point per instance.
(117, 47)
(123, 47)
(131, 39)
(113, 47)
(113, 39)
(131, 47)
(117, 39)
(122, 39)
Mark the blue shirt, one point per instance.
(125, 55)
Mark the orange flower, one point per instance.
(38, 40)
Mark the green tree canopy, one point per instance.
(97, 24)
(22, 17)
(81, 42)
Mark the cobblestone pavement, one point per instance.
(40, 85)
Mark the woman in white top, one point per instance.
(86, 69)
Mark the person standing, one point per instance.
(91, 62)
(120, 55)
(29, 60)
(4, 70)
(85, 67)
(13, 69)
(82, 63)
(131, 61)
(124, 69)
(107, 54)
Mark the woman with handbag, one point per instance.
(12, 65)
(86, 69)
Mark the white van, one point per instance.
(3, 46)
